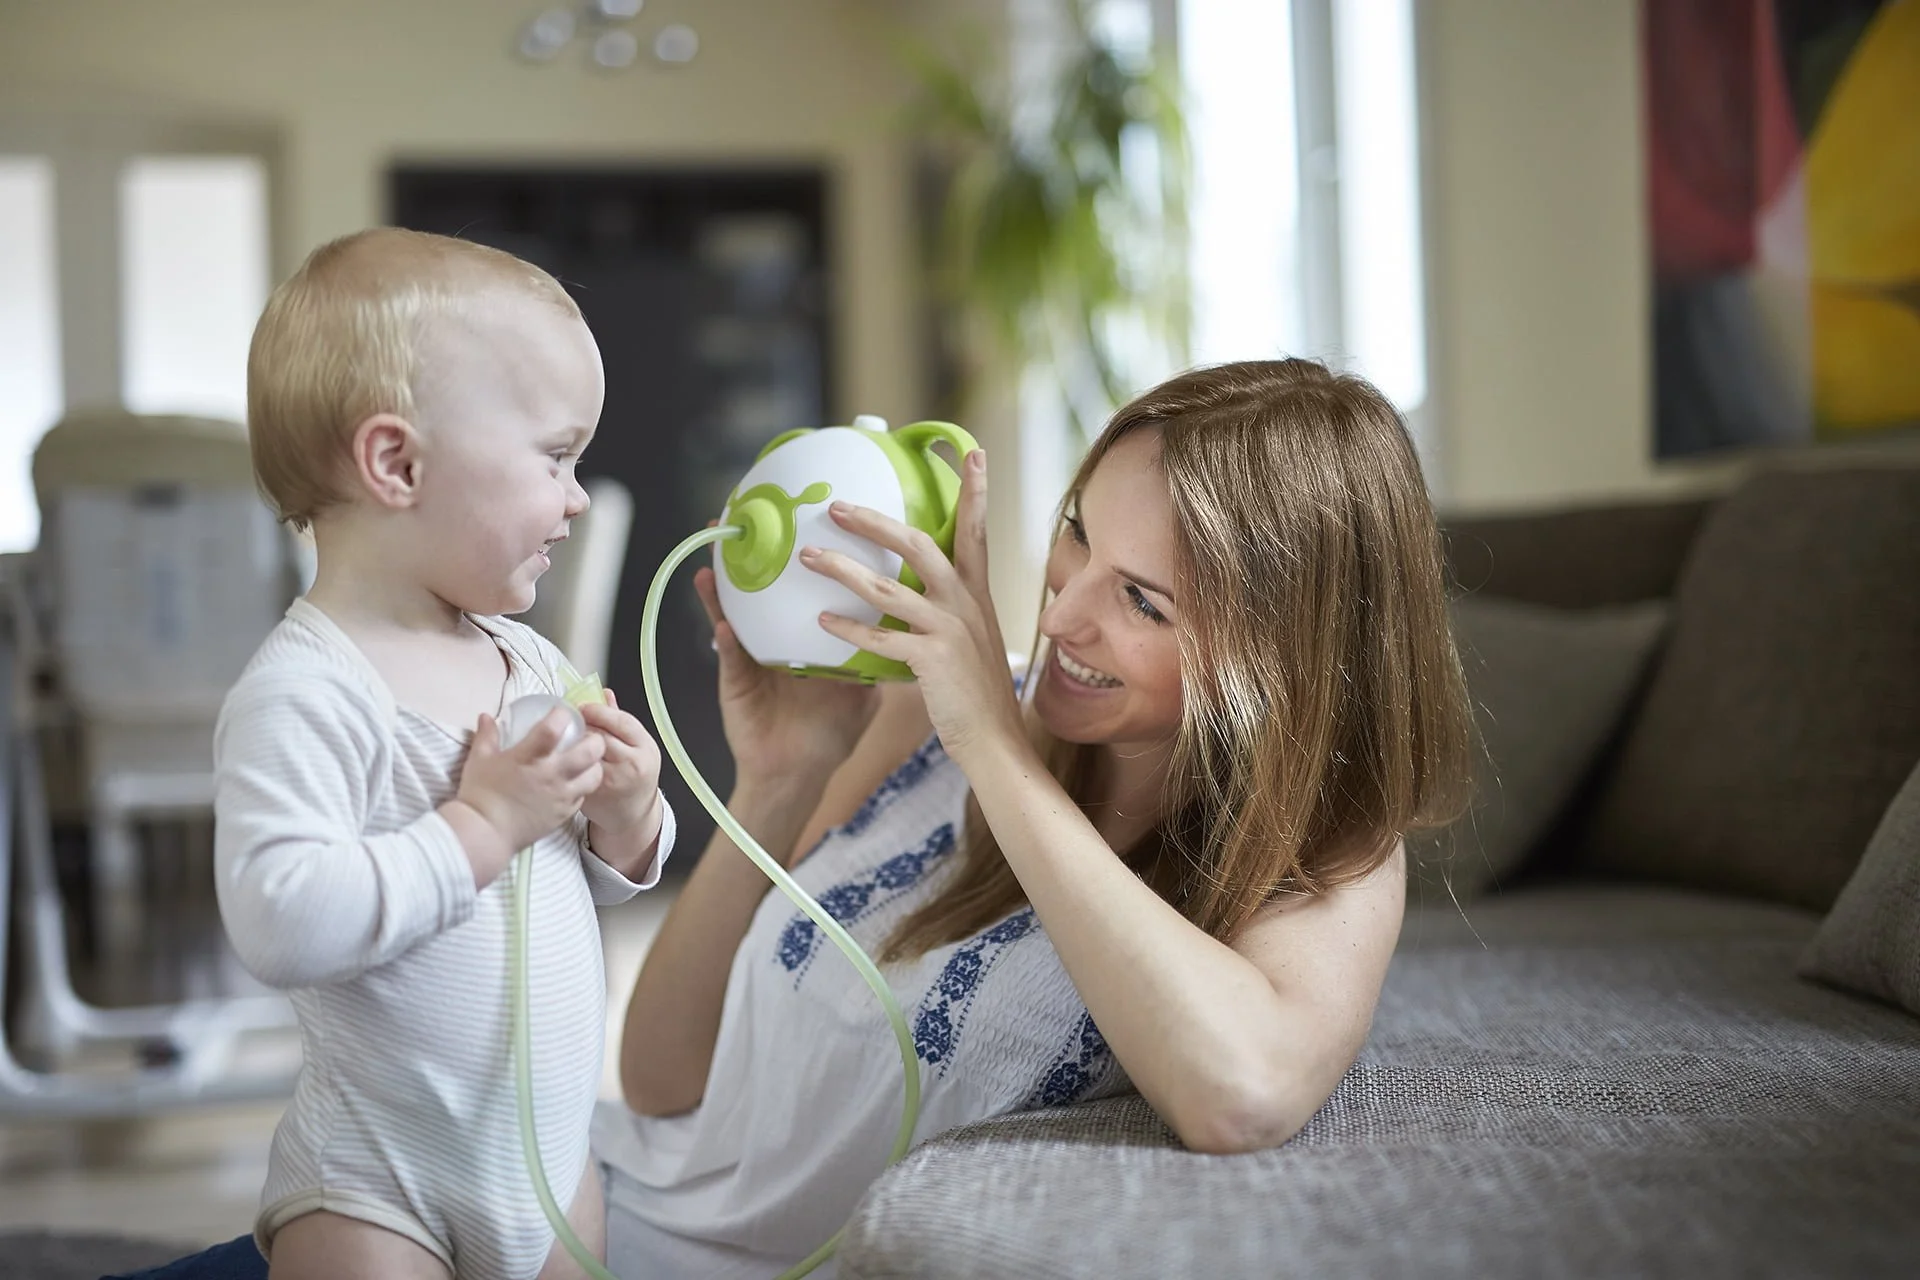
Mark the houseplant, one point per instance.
(1059, 236)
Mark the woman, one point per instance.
(1176, 864)
(1171, 861)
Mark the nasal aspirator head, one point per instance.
(525, 712)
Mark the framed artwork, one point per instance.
(1782, 146)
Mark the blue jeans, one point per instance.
(234, 1260)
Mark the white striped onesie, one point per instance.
(340, 883)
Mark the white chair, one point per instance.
(573, 606)
(159, 572)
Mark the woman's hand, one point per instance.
(781, 726)
(954, 646)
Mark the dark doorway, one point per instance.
(708, 290)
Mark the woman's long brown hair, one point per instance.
(1324, 712)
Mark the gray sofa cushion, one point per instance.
(1785, 711)
(1548, 687)
(1870, 941)
(1575, 1083)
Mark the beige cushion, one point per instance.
(1870, 941)
(1548, 688)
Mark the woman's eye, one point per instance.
(1142, 606)
(1077, 530)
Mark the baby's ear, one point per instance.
(386, 459)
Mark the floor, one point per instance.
(195, 1176)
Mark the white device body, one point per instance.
(779, 624)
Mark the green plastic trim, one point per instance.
(781, 439)
(930, 494)
(930, 487)
(755, 560)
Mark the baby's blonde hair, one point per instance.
(339, 342)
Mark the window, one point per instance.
(31, 396)
(193, 277)
(1306, 200)
(134, 259)
(1383, 297)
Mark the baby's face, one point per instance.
(508, 398)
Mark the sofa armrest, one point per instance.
(1032, 1195)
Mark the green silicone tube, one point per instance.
(587, 689)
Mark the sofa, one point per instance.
(1672, 1029)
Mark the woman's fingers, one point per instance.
(882, 641)
(918, 549)
(885, 594)
(703, 586)
(725, 641)
(970, 528)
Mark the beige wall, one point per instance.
(1538, 245)
(1537, 238)
(1537, 232)
(354, 84)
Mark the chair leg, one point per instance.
(208, 1029)
(118, 920)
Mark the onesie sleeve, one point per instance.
(608, 886)
(307, 895)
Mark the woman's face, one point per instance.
(1113, 673)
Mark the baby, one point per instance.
(420, 403)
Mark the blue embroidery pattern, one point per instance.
(937, 1022)
(846, 902)
(1080, 1066)
(900, 781)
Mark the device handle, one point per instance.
(922, 436)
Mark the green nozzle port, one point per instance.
(764, 515)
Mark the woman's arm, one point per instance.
(673, 1016)
(1235, 1046)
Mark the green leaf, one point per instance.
(1049, 239)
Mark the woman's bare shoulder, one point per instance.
(1363, 909)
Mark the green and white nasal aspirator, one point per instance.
(780, 506)
(773, 604)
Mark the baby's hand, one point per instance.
(629, 788)
(528, 791)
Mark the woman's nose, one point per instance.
(1064, 617)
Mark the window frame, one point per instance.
(89, 149)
